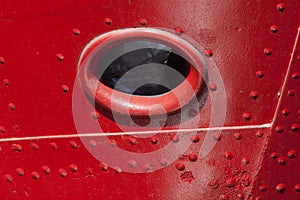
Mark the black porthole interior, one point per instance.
(158, 53)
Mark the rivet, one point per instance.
(2, 129)
(73, 144)
(65, 88)
(73, 168)
(247, 116)
(245, 161)
(2, 60)
(298, 57)
(285, 112)
(268, 51)
(279, 129)
(274, 155)
(163, 162)
(95, 115)
(143, 22)
(6, 82)
(195, 138)
(281, 188)
(212, 87)
(228, 155)
(46, 170)
(35, 175)
(291, 92)
(192, 157)
(180, 166)
(148, 167)
(295, 127)
(274, 29)
(259, 133)
(263, 188)
(132, 141)
(76, 31)
(11, 106)
(174, 138)
(62, 172)
(53, 145)
(282, 160)
(254, 94)
(8, 178)
(297, 187)
(193, 113)
(178, 30)
(103, 166)
(89, 171)
(20, 172)
(217, 137)
(292, 154)
(213, 184)
(208, 52)
(154, 140)
(295, 75)
(224, 197)
(16, 147)
(132, 163)
(230, 182)
(34, 146)
(118, 170)
(281, 7)
(92, 143)
(16, 127)
(108, 21)
(260, 74)
(113, 142)
(240, 196)
(237, 136)
(60, 57)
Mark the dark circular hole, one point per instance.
(157, 54)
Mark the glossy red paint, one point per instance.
(250, 42)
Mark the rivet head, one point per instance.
(35, 175)
(259, 134)
(20, 172)
(8, 178)
(108, 21)
(228, 155)
(154, 140)
(73, 168)
(274, 155)
(2, 60)
(53, 145)
(295, 75)
(76, 31)
(16, 147)
(180, 166)
(132, 141)
(281, 7)
(60, 57)
(263, 188)
(208, 52)
(46, 170)
(132, 163)
(279, 129)
(103, 166)
(192, 157)
(213, 184)
(274, 29)
(245, 161)
(92, 143)
(2, 129)
(118, 170)
(95, 115)
(179, 30)
(291, 92)
(247, 116)
(297, 187)
(253, 94)
(34, 146)
(65, 88)
(143, 22)
(195, 138)
(6, 82)
(163, 162)
(230, 182)
(280, 188)
(292, 154)
(217, 137)
(237, 136)
(62, 173)
(268, 51)
(12, 106)
(175, 138)
(282, 160)
(295, 127)
(73, 144)
(260, 74)
(285, 112)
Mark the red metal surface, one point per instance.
(250, 43)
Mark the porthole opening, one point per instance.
(148, 54)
